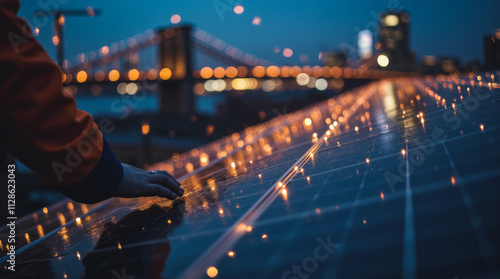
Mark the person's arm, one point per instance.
(42, 128)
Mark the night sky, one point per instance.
(450, 28)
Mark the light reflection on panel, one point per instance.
(341, 192)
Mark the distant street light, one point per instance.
(59, 20)
(146, 144)
(383, 60)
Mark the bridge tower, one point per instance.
(176, 93)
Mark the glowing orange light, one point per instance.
(219, 72)
(230, 254)
(231, 72)
(364, 221)
(258, 71)
(55, 40)
(40, 231)
(81, 76)
(284, 192)
(61, 20)
(260, 175)
(233, 165)
(206, 72)
(119, 245)
(78, 220)
(403, 152)
(453, 180)
(45, 210)
(482, 127)
(336, 72)
(145, 129)
(382, 196)
(367, 160)
(204, 159)
(133, 74)
(212, 272)
(264, 236)
(356, 128)
(308, 178)
(27, 236)
(78, 255)
(114, 75)
(272, 71)
(307, 121)
(165, 73)
(249, 228)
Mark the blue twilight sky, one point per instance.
(438, 27)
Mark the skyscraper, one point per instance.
(394, 38)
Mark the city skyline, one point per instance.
(310, 23)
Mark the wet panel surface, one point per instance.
(394, 179)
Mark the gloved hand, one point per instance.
(140, 183)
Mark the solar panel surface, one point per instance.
(395, 179)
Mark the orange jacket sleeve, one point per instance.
(39, 122)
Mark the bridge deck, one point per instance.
(404, 185)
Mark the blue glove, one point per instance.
(140, 183)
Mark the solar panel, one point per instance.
(394, 179)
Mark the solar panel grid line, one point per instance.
(71, 222)
(213, 254)
(254, 132)
(258, 224)
(344, 236)
(290, 236)
(49, 218)
(485, 244)
(409, 253)
(425, 190)
(434, 223)
(221, 246)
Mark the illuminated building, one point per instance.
(365, 44)
(394, 38)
